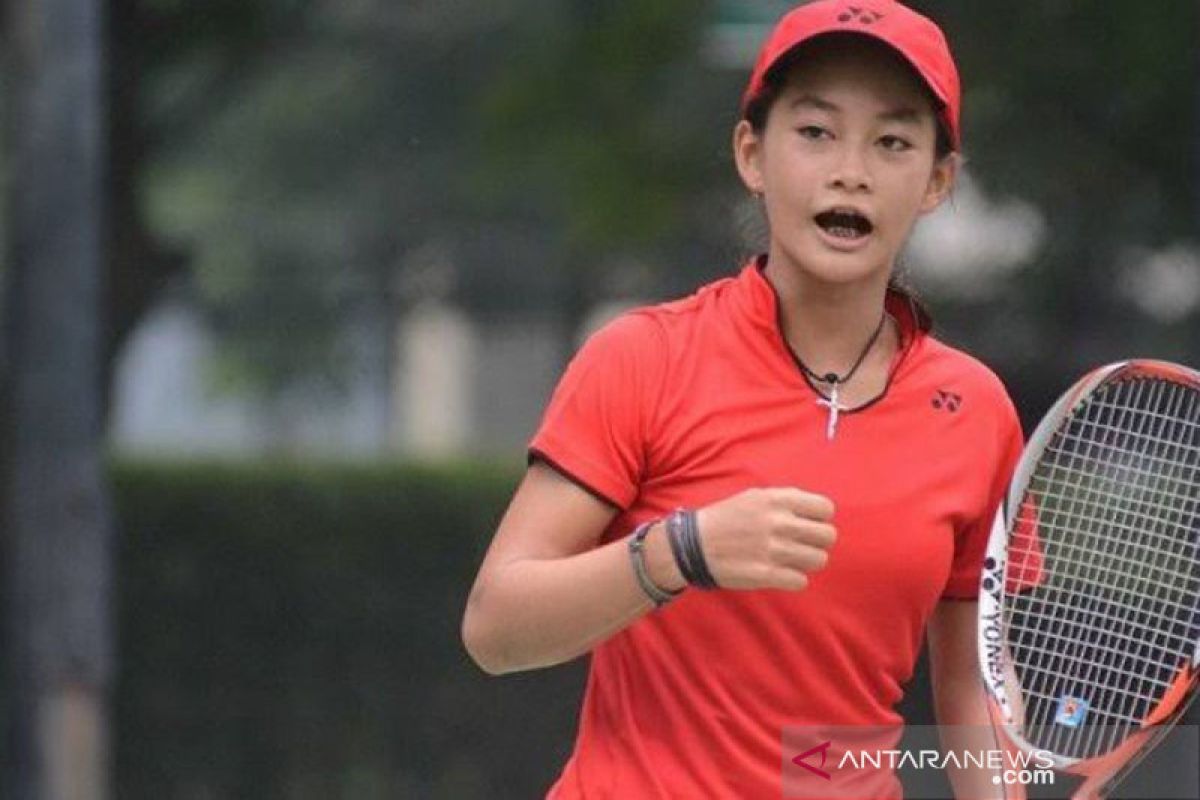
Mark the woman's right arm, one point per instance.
(546, 594)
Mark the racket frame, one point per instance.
(996, 668)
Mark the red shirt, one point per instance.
(690, 402)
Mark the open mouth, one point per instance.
(844, 223)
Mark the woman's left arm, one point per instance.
(958, 696)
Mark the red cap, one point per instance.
(918, 39)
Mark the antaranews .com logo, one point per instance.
(1027, 769)
(874, 763)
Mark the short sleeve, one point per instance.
(971, 542)
(594, 429)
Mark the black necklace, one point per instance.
(834, 380)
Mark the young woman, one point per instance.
(750, 505)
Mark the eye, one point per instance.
(813, 133)
(894, 143)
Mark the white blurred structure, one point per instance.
(971, 245)
(161, 400)
(436, 344)
(1163, 284)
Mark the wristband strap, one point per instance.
(691, 537)
(683, 532)
(637, 554)
(679, 547)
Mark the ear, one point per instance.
(748, 155)
(941, 182)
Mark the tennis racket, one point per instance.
(1089, 614)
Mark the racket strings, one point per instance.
(1171, 581)
(1137, 675)
(1117, 643)
(1143, 508)
(1086, 658)
(1101, 599)
(1140, 686)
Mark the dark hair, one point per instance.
(758, 109)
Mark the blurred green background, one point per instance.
(352, 245)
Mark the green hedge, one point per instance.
(292, 631)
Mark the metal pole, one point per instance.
(57, 528)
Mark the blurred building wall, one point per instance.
(457, 387)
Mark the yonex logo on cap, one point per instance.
(866, 16)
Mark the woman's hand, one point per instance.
(767, 538)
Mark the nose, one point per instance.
(850, 172)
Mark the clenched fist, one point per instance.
(767, 538)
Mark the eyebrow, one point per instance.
(812, 101)
(905, 114)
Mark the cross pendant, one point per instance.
(834, 408)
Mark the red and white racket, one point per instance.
(1089, 615)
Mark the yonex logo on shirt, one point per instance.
(949, 401)
(865, 16)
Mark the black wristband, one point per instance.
(683, 532)
(699, 564)
(678, 548)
